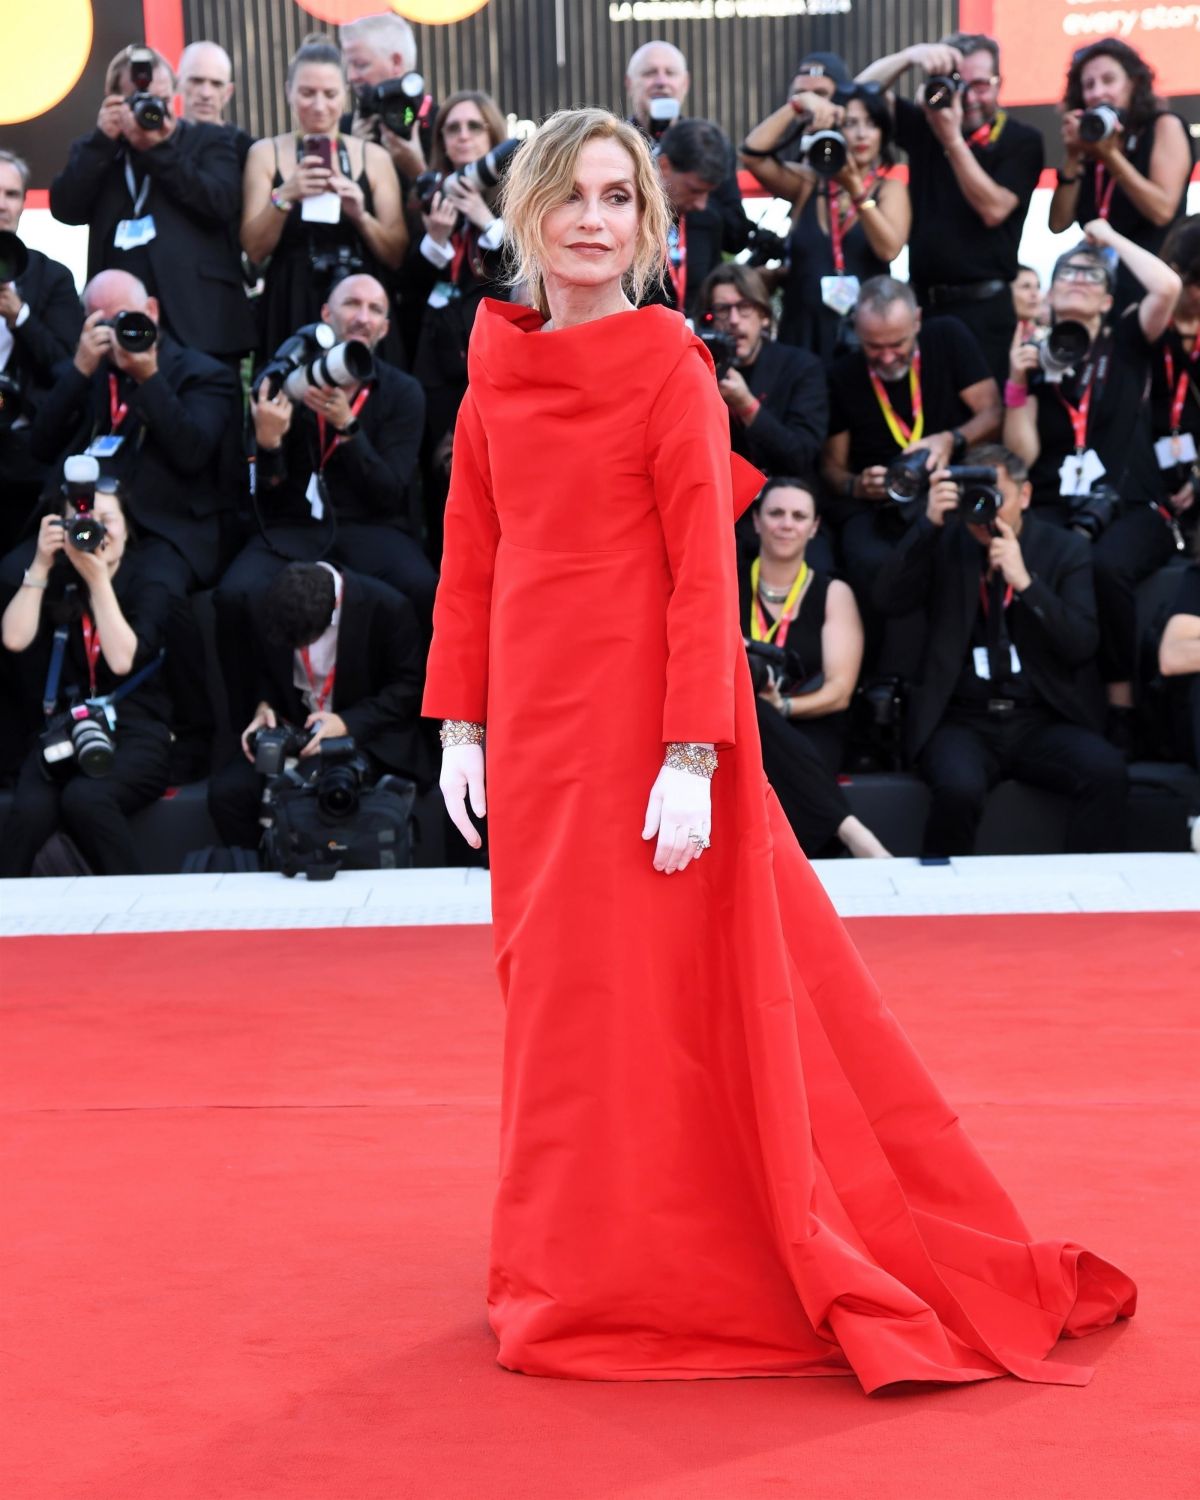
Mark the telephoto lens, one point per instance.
(907, 477)
(488, 170)
(1063, 349)
(14, 258)
(1099, 123)
(134, 331)
(825, 152)
(343, 365)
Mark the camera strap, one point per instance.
(900, 430)
(91, 649)
(54, 671)
(118, 410)
(994, 591)
(1104, 195)
(136, 193)
(988, 134)
(320, 696)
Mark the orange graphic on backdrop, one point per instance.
(46, 46)
(431, 12)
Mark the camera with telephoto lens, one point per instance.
(940, 89)
(148, 109)
(484, 173)
(824, 151)
(134, 331)
(1092, 512)
(85, 734)
(764, 246)
(1061, 349)
(337, 773)
(1100, 122)
(14, 258)
(84, 530)
(312, 359)
(979, 498)
(722, 346)
(397, 103)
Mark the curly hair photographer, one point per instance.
(1126, 158)
(115, 619)
(1084, 432)
(845, 228)
(320, 204)
(810, 624)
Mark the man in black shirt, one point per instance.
(1007, 685)
(693, 157)
(972, 172)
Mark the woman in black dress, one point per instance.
(845, 229)
(804, 700)
(319, 204)
(1137, 176)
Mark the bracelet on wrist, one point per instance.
(698, 759)
(34, 583)
(460, 732)
(279, 202)
(1065, 181)
(1015, 394)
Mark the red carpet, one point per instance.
(246, 1182)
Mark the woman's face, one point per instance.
(590, 239)
(1079, 290)
(317, 97)
(786, 522)
(464, 134)
(1105, 81)
(107, 509)
(863, 136)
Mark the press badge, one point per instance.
(131, 234)
(107, 446)
(839, 293)
(315, 495)
(1179, 448)
(443, 294)
(983, 669)
(1078, 472)
(321, 208)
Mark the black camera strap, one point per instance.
(58, 651)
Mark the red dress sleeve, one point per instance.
(456, 677)
(688, 454)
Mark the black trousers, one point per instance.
(802, 759)
(970, 751)
(94, 811)
(892, 644)
(993, 321)
(1183, 696)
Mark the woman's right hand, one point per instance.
(311, 176)
(440, 220)
(1023, 356)
(463, 775)
(51, 540)
(1073, 148)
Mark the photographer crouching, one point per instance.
(1007, 685)
(85, 624)
(334, 655)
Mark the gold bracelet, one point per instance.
(698, 759)
(460, 732)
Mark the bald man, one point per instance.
(205, 75)
(163, 420)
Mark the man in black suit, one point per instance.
(1008, 685)
(694, 157)
(165, 422)
(159, 204)
(40, 319)
(337, 654)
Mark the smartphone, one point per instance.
(318, 145)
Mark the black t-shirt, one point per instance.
(1118, 420)
(949, 243)
(951, 360)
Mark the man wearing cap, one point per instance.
(972, 172)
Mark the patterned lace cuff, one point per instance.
(461, 732)
(698, 759)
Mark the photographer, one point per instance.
(846, 228)
(812, 623)
(319, 204)
(376, 50)
(161, 419)
(777, 399)
(332, 473)
(1126, 158)
(337, 654)
(694, 157)
(158, 195)
(1005, 687)
(1179, 663)
(1085, 435)
(1175, 382)
(115, 619)
(972, 172)
(40, 318)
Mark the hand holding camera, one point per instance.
(871, 484)
(1004, 555)
(820, 113)
(1024, 355)
(11, 302)
(440, 220)
(272, 416)
(264, 718)
(322, 726)
(942, 498)
(95, 341)
(110, 119)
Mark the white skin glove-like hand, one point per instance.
(680, 804)
(462, 775)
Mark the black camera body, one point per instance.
(1092, 512)
(765, 246)
(940, 89)
(330, 266)
(767, 662)
(84, 733)
(397, 103)
(1062, 348)
(14, 257)
(85, 531)
(337, 775)
(134, 331)
(313, 359)
(484, 173)
(979, 497)
(148, 109)
(722, 347)
(273, 748)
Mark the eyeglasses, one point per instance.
(463, 127)
(982, 83)
(1094, 275)
(721, 311)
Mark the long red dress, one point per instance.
(720, 1154)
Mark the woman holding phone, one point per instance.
(317, 204)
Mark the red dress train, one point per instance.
(720, 1154)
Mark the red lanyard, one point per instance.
(321, 697)
(900, 430)
(985, 600)
(1104, 195)
(678, 273)
(1179, 394)
(1079, 414)
(838, 232)
(91, 647)
(459, 241)
(327, 453)
(118, 410)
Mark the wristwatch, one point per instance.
(350, 430)
(1067, 181)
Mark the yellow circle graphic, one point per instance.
(437, 12)
(46, 47)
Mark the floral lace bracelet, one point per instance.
(460, 732)
(698, 759)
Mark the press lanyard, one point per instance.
(837, 233)
(985, 599)
(1079, 414)
(458, 243)
(138, 194)
(327, 453)
(903, 434)
(1104, 195)
(91, 647)
(321, 697)
(988, 135)
(760, 628)
(1178, 392)
(677, 259)
(118, 410)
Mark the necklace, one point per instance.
(774, 596)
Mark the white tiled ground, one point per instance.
(417, 898)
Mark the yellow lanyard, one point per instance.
(900, 430)
(759, 629)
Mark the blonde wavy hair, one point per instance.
(541, 177)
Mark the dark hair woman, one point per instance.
(845, 229)
(1136, 175)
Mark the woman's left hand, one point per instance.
(351, 195)
(680, 805)
(90, 566)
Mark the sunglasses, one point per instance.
(463, 127)
(1094, 275)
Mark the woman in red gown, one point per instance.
(720, 1155)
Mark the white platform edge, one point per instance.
(458, 897)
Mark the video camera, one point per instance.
(397, 103)
(979, 497)
(313, 359)
(484, 173)
(148, 109)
